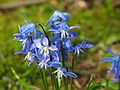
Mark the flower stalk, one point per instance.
(73, 63)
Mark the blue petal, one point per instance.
(65, 56)
(72, 34)
(54, 38)
(106, 59)
(53, 48)
(31, 62)
(21, 52)
(63, 26)
(115, 79)
(37, 43)
(110, 52)
(19, 37)
(68, 44)
(58, 43)
(66, 15)
(54, 63)
(56, 16)
(33, 46)
(88, 46)
(56, 56)
(71, 74)
(38, 32)
(84, 43)
(44, 41)
(77, 47)
(27, 28)
(54, 30)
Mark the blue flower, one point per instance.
(26, 44)
(57, 15)
(79, 48)
(63, 29)
(42, 61)
(62, 71)
(43, 45)
(115, 59)
(27, 28)
(30, 57)
(26, 31)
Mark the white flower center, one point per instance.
(29, 56)
(64, 34)
(46, 50)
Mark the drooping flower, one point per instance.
(58, 16)
(27, 33)
(26, 44)
(78, 48)
(46, 62)
(115, 59)
(62, 71)
(62, 29)
(30, 57)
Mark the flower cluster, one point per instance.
(50, 52)
(115, 59)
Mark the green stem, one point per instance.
(73, 62)
(90, 82)
(54, 81)
(44, 78)
(52, 78)
(63, 63)
(119, 83)
(107, 83)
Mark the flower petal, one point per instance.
(88, 46)
(53, 48)
(106, 59)
(72, 27)
(71, 74)
(84, 43)
(110, 52)
(44, 41)
(56, 16)
(72, 35)
(53, 39)
(37, 43)
(27, 28)
(68, 44)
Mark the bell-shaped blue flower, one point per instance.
(79, 48)
(57, 15)
(62, 29)
(43, 45)
(115, 59)
(62, 71)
